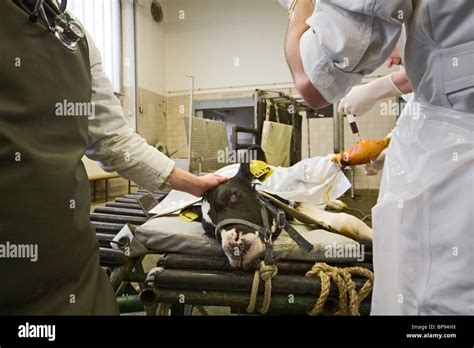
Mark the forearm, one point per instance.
(400, 80)
(296, 28)
(182, 180)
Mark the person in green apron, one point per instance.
(51, 77)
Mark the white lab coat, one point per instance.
(424, 219)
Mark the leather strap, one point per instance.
(292, 232)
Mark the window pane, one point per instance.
(101, 18)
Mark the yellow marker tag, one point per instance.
(260, 170)
(188, 215)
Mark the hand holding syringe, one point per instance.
(363, 151)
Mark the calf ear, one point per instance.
(257, 151)
(244, 172)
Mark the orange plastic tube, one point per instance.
(361, 152)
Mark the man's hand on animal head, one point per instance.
(182, 180)
(207, 182)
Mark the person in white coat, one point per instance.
(362, 98)
(423, 221)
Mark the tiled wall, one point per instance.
(177, 108)
(164, 119)
(151, 119)
(371, 126)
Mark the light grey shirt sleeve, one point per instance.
(113, 143)
(349, 39)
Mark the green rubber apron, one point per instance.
(44, 201)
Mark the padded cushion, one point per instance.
(169, 234)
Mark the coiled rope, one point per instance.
(349, 298)
(266, 273)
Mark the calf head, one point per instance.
(236, 199)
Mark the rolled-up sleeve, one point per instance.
(113, 143)
(349, 39)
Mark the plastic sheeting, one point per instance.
(314, 180)
(423, 221)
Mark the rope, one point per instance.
(349, 298)
(266, 273)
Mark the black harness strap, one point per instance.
(265, 230)
(267, 237)
(292, 232)
(227, 222)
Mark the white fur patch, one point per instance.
(229, 244)
(205, 208)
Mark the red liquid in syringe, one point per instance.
(353, 124)
(354, 128)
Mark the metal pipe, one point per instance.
(279, 302)
(119, 211)
(338, 130)
(256, 99)
(148, 296)
(112, 257)
(308, 134)
(118, 275)
(351, 170)
(182, 261)
(126, 200)
(124, 219)
(129, 304)
(191, 115)
(124, 205)
(238, 281)
(223, 89)
(105, 227)
(149, 292)
(135, 63)
(136, 277)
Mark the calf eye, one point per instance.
(234, 196)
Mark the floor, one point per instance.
(361, 205)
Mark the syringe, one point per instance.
(353, 124)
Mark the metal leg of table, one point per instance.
(94, 188)
(106, 190)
